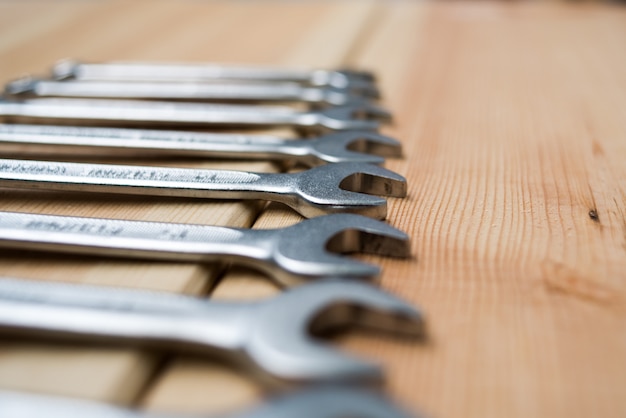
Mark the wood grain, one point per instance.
(504, 110)
(513, 121)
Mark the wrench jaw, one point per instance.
(353, 74)
(281, 343)
(65, 69)
(346, 188)
(373, 143)
(311, 249)
(362, 117)
(355, 147)
(354, 203)
(23, 87)
(362, 88)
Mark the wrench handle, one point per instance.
(139, 180)
(33, 139)
(131, 112)
(96, 313)
(257, 92)
(137, 71)
(134, 239)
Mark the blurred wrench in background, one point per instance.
(186, 115)
(185, 91)
(269, 338)
(356, 82)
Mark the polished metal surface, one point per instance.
(304, 251)
(186, 91)
(314, 402)
(331, 188)
(180, 114)
(271, 338)
(358, 82)
(74, 141)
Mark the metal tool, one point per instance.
(359, 82)
(248, 92)
(269, 337)
(71, 141)
(314, 402)
(330, 188)
(307, 250)
(149, 113)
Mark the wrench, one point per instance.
(257, 92)
(136, 112)
(330, 188)
(357, 82)
(269, 337)
(316, 402)
(338, 147)
(304, 251)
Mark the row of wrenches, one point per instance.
(85, 110)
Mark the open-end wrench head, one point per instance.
(312, 248)
(25, 84)
(361, 117)
(281, 342)
(353, 74)
(347, 188)
(357, 147)
(330, 402)
(362, 88)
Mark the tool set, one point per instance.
(271, 339)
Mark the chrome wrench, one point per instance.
(270, 337)
(359, 82)
(330, 188)
(203, 92)
(305, 251)
(315, 402)
(148, 113)
(73, 141)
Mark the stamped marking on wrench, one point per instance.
(338, 147)
(307, 250)
(135, 112)
(270, 337)
(321, 190)
(324, 401)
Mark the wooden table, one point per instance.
(513, 120)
